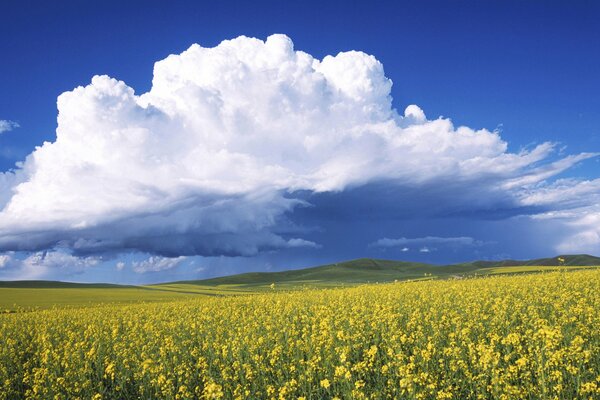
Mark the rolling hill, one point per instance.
(17, 295)
(366, 270)
(59, 285)
(362, 270)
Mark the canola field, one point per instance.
(506, 337)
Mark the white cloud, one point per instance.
(585, 227)
(156, 264)
(120, 266)
(5, 260)
(44, 264)
(297, 242)
(6, 126)
(565, 192)
(207, 161)
(67, 263)
(577, 204)
(428, 240)
(425, 250)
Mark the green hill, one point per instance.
(59, 285)
(574, 260)
(43, 294)
(355, 271)
(362, 270)
(365, 270)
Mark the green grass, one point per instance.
(220, 290)
(531, 268)
(47, 294)
(13, 299)
(59, 285)
(359, 271)
(366, 270)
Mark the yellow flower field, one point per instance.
(507, 337)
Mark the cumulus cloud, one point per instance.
(39, 265)
(6, 125)
(585, 227)
(59, 260)
(156, 264)
(210, 160)
(576, 203)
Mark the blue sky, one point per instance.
(527, 73)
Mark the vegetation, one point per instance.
(368, 270)
(533, 336)
(26, 299)
(27, 294)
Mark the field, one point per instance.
(37, 295)
(533, 336)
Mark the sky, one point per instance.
(147, 141)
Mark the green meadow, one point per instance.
(30, 295)
(13, 299)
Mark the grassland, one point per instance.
(26, 295)
(368, 270)
(527, 336)
(27, 299)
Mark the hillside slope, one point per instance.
(21, 295)
(362, 270)
(574, 260)
(354, 271)
(366, 270)
(59, 285)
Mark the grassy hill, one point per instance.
(45, 294)
(365, 270)
(354, 271)
(574, 260)
(28, 295)
(58, 285)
